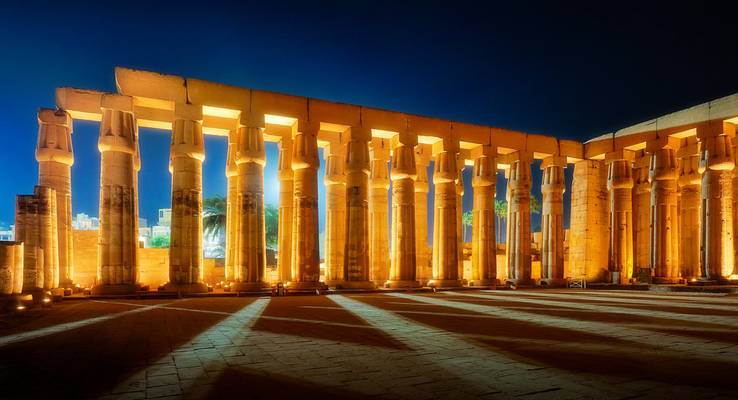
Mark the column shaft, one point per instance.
(716, 164)
(36, 227)
(620, 185)
(356, 262)
(118, 240)
(641, 214)
(484, 246)
(187, 155)
(251, 158)
(552, 222)
(403, 174)
(305, 245)
(378, 212)
(55, 157)
(664, 216)
(232, 210)
(335, 215)
(519, 235)
(460, 219)
(424, 269)
(445, 243)
(286, 201)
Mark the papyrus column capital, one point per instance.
(54, 137)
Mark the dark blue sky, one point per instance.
(569, 71)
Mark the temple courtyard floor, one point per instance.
(528, 344)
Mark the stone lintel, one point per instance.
(117, 102)
(668, 142)
(715, 128)
(187, 112)
(621, 154)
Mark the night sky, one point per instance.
(569, 71)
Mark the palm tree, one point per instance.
(271, 222)
(466, 221)
(535, 205)
(500, 213)
(214, 216)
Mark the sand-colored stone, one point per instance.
(55, 159)
(663, 174)
(459, 217)
(335, 210)
(403, 173)
(445, 242)
(641, 213)
(186, 157)
(286, 202)
(305, 245)
(589, 226)
(423, 252)
(484, 248)
(716, 165)
(356, 255)
(620, 186)
(118, 241)
(11, 268)
(232, 211)
(379, 252)
(689, 214)
(250, 267)
(518, 220)
(552, 221)
(35, 227)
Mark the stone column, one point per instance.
(305, 245)
(589, 228)
(232, 211)
(484, 245)
(55, 158)
(552, 221)
(664, 213)
(250, 157)
(36, 227)
(641, 214)
(187, 155)
(424, 269)
(11, 268)
(460, 217)
(356, 261)
(689, 211)
(335, 213)
(518, 220)
(403, 174)
(716, 165)
(118, 239)
(445, 242)
(379, 154)
(286, 201)
(620, 185)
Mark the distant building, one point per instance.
(84, 222)
(143, 223)
(165, 217)
(7, 234)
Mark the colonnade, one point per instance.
(663, 211)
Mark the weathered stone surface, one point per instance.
(379, 252)
(403, 174)
(11, 268)
(335, 211)
(664, 216)
(518, 221)
(118, 242)
(552, 221)
(620, 186)
(589, 226)
(689, 216)
(35, 226)
(484, 248)
(445, 243)
(286, 202)
(641, 213)
(232, 210)
(423, 252)
(356, 256)
(55, 157)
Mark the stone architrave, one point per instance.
(55, 158)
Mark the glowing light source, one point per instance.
(733, 277)
(20, 308)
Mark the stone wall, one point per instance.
(589, 226)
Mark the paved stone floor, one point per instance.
(532, 344)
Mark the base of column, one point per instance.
(709, 281)
(292, 286)
(366, 285)
(248, 286)
(666, 281)
(520, 283)
(552, 282)
(114, 290)
(334, 283)
(445, 283)
(184, 288)
(483, 283)
(401, 284)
